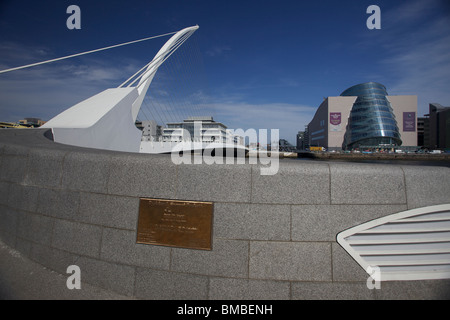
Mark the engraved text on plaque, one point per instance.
(185, 224)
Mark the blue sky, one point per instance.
(268, 64)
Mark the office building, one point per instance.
(365, 116)
(209, 131)
(437, 127)
(301, 139)
(31, 122)
(422, 123)
(151, 131)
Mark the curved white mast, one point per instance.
(146, 77)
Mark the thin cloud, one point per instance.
(45, 91)
(288, 118)
(218, 51)
(14, 54)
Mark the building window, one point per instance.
(317, 132)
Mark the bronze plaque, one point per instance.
(185, 224)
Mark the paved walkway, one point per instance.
(23, 279)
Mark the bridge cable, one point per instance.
(83, 53)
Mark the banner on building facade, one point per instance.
(409, 121)
(335, 121)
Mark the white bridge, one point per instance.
(107, 120)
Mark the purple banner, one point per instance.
(409, 121)
(335, 118)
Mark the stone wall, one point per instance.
(274, 237)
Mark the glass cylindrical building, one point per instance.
(371, 122)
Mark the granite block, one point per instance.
(142, 175)
(77, 237)
(9, 220)
(58, 203)
(414, 290)
(247, 289)
(86, 171)
(24, 246)
(295, 183)
(1, 159)
(15, 149)
(13, 168)
(9, 238)
(44, 168)
(367, 184)
(228, 258)
(251, 221)
(110, 276)
(109, 211)
(14, 195)
(36, 228)
(331, 291)
(426, 186)
(4, 193)
(162, 285)
(120, 246)
(215, 182)
(23, 197)
(296, 261)
(324, 222)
